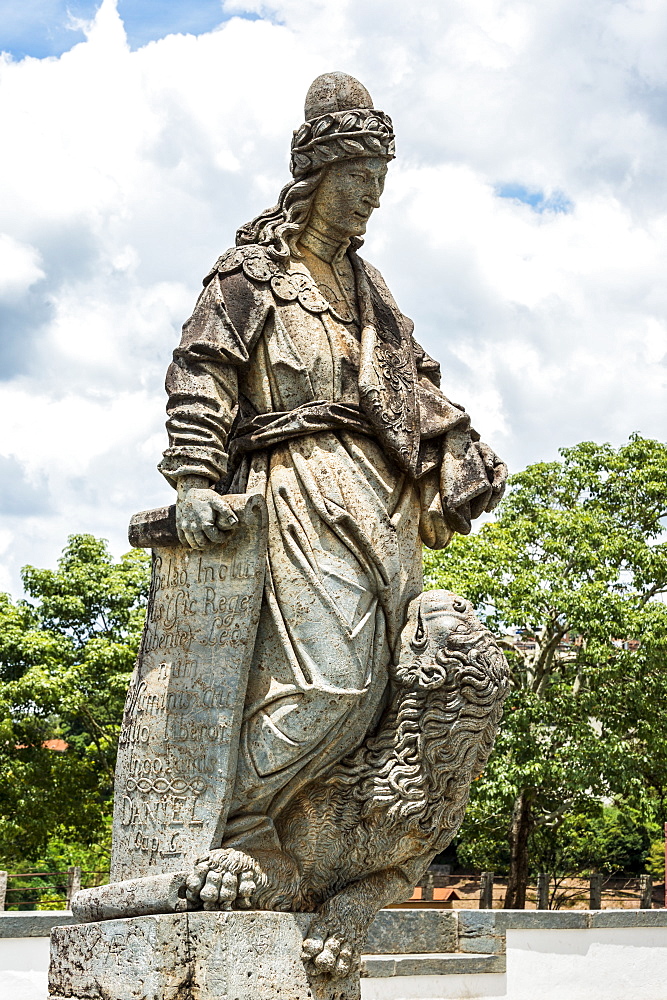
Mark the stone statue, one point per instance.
(304, 724)
(297, 377)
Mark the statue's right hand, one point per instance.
(202, 517)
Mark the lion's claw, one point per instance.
(329, 953)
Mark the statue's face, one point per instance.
(347, 195)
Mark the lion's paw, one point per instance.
(329, 950)
(224, 879)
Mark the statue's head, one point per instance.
(339, 160)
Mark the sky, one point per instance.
(523, 225)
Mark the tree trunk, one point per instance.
(520, 827)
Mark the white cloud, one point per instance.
(130, 171)
(19, 268)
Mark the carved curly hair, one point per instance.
(420, 764)
(278, 229)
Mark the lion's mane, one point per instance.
(433, 742)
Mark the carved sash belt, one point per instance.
(269, 429)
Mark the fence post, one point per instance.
(542, 892)
(3, 889)
(486, 891)
(646, 890)
(427, 888)
(73, 883)
(595, 892)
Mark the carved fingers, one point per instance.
(220, 890)
(193, 537)
(202, 518)
(195, 882)
(225, 518)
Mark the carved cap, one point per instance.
(341, 124)
(335, 92)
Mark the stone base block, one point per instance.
(189, 956)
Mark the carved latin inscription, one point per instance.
(178, 742)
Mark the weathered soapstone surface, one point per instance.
(188, 956)
(448, 689)
(178, 743)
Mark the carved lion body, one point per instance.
(400, 798)
(362, 835)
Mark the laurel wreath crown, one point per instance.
(341, 135)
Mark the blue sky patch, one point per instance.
(538, 201)
(44, 28)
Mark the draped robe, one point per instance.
(359, 456)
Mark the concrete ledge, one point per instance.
(627, 918)
(32, 923)
(484, 930)
(414, 931)
(401, 941)
(383, 966)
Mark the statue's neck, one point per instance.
(325, 246)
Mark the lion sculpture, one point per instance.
(363, 835)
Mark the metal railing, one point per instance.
(45, 890)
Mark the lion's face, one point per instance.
(440, 632)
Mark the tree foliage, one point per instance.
(66, 654)
(570, 573)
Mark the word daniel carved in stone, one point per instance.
(178, 742)
(304, 723)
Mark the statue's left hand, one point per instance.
(496, 470)
(202, 515)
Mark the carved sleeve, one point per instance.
(202, 380)
(459, 476)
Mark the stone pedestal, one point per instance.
(189, 956)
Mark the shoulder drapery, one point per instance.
(202, 380)
(400, 402)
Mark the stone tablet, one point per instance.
(178, 743)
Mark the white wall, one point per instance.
(489, 986)
(616, 963)
(24, 964)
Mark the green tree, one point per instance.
(66, 655)
(606, 839)
(569, 573)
